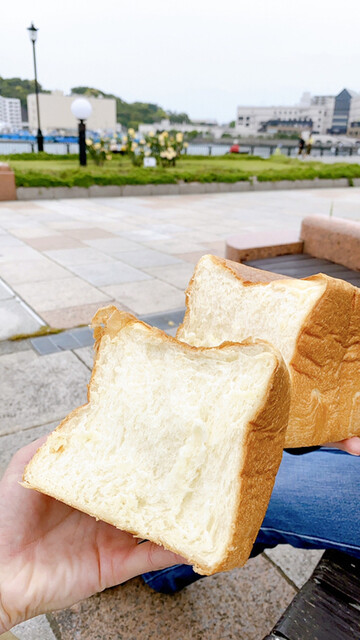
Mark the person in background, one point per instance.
(301, 145)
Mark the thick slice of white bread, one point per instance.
(177, 445)
(314, 322)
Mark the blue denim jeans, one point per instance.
(314, 505)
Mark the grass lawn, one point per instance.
(58, 171)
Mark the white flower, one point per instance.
(179, 137)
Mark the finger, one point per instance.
(350, 445)
(145, 557)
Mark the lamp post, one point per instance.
(40, 138)
(81, 109)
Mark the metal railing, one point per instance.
(264, 150)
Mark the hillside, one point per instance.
(128, 114)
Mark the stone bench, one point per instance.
(322, 237)
(7, 182)
(328, 605)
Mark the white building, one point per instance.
(313, 113)
(10, 113)
(202, 126)
(55, 113)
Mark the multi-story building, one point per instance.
(10, 112)
(319, 114)
(55, 113)
(203, 127)
(353, 121)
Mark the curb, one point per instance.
(187, 188)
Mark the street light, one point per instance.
(40, 138)
(81, 109)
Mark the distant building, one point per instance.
(341, 113)
(55, 113)
(204, 127)
(319, 114)
(10, 113)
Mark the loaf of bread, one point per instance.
(178, 445)
(314, 322)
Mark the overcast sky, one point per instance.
(198, 56)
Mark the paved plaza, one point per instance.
(59, 262)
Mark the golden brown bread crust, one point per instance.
(262, 450)
(325, 368)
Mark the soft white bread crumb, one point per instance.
(178, 445)
(314, 322)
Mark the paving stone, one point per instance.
(112, 246)
(151, 296)
(15, 254)
(36, 390)
(5, 291)
(86, 355)
(176, 246)
(139, 235)
(69, 257)
(89, 233)
(192, 257)
(65, 340)
(297, 564)
(70, 317)
(104, 273)
(16, 319)
(12, 346)
(7, 240)
(84, 335)
(177, 275)
(244, 603)
(46, 243)
(10, 444)
(32, 230)
(43, 345)
(44, 295)
(148, 258)
(31, 271)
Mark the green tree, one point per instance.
(18, 88)
(178, 118)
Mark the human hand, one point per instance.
(350, 445)
(52, 556)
